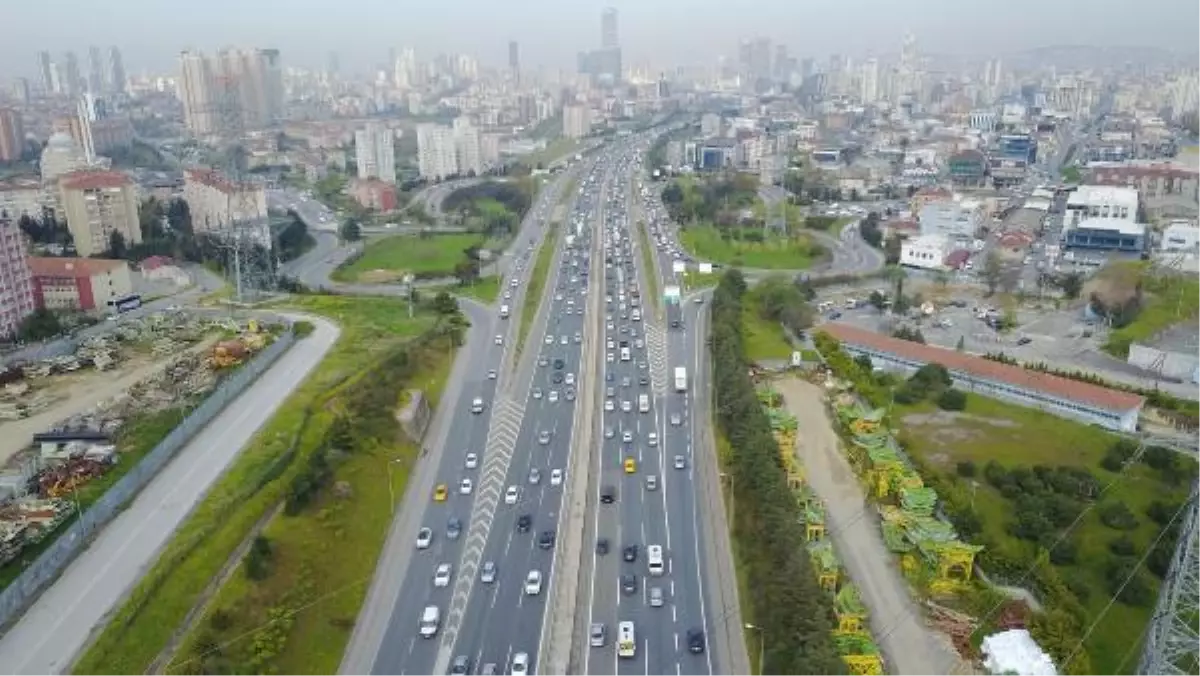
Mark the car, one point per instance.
(557, 378)
(1024, 340)
(629, 584)
(680, 462)
(461, 665)
(569, 394)
(472, 461)
(549, 339)
(627, 437)
(656, 597)
(559, 364)
(487, 574)
(596, 635)
(499, 339)
(465, 486)
(537, 393)
(535, 476)
(454, 528)
(630, 553)
(609, 357)
(533, 583)
(553, 397)
(609, 406)
(630, 465)
(546, 539)
(609, 433)
(544, 437)
(424, 538)
(626, 406)
(520, 665)
(543, 361)
(563, 340)
(441, 576)
(608, 495)
(602, 546)
(439, 493)
(491, 374)
(477, 406)
(570, 379)
(556, 477)
(625, 381)
(511, 495)
(676, 420)
(644, 381)
(524, 522)
(695, 640)
(651, 482)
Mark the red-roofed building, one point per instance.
(78, 283)
(375, 194)
(97, 204)
(1091, 404)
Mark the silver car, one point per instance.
(596, 635)
(656, 597)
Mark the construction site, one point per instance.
(63, 418)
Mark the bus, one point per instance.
(125, 303)
(626, 642)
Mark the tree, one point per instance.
(1071, 174)
(877, 300)
(350, 230)
(116, 245)
(992, 272)
(952, 400)
(466, 271)
(40, 325)
(444, 304)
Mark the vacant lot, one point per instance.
(772, 253)
(389, 259)
(763, 339)
(1013, 436)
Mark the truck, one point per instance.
(680, 379)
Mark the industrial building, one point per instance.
(1087, 403)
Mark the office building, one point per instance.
(1097, 201)
(46, 72)
(12, 135)
(197, 93)
(514, 60)
(117, 80)
(608, 28)
(1106, 234)
(72, 84)
(869, 81)
(218, 204)
(78, 284)
(97, 204)
(436, 156)
(375, 152)
(926, 252)
(16, 286)
(954, 218)
(96, 80)
(576, 121)
(468, 154)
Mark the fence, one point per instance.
(70, 542)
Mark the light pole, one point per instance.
(762, 644)
(391, 490)
(732, 497)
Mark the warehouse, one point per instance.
(1087, 403)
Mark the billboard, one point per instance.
(671, 294)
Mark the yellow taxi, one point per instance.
(439, 493)
(630, 465)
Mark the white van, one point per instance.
(431, 621)
(503, 312)
(643, 403)
(654, 560)
(625, 356)
(626, 640)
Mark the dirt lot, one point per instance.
(908, 644)
(77, 393)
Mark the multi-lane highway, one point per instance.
(501, 467)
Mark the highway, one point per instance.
(505, 442)
(50, 634)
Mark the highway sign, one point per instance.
(678, 266)
(706, 268)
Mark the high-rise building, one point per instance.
(197, 87)
(16, 282)
(514, 60)
(869, 81)
(236, 89)
(97, 204)
(116, 72)
(46, 72)
(96, 80)
(218, 204)
(375, 151)
(576, 121)
(72, 83)
(609, 38)
(20, 90)
(436, 155)
(12, 135)
(467, 152)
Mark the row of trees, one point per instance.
(795, 614)
(715, 200)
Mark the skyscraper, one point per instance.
(608, 28)
(95, 81)
(72, 86)
(116, 72)
(436, 156)
(514, 59)
(46, 72)
(12, 135)
(375, 152)
(237, 88)
(197, 92)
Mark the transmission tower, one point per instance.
(1173, 637)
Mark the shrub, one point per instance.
(1122, 546)
(1116, 515)
(302, 328)
(965, 469)
(952, 400)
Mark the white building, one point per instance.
(375, 150)
(927, 252)
(223, 207)
(1181, 236)
(576, 121)
(468, 154)
(1101, 201)
(436, 153)
(953, 218)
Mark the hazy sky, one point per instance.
(151, 32)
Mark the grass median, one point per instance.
(485, 289)
(538, 278)
(298, 618)
(648, 263)
(389, 258)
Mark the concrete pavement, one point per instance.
(51, 633)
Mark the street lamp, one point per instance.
(762, 643)
(391, 490)
(732, 496)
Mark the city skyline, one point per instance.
(819, 28)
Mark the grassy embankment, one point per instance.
(538, 278)
(297, 617)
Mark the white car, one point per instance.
(465, 486)
(424, 538)
(680, 462)
(520, 665)
(511, 495)
(609, 406)
(533, 583)
(537, 393)
(492, 374)
(472, 461)
(553, 396)
(626, 406)
(556, 477)
(441, 577)
(569, 379)
(609, 357)
(499, 339)
(652, 438)
(627, 437)
(549, 339)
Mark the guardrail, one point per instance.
(71, 542)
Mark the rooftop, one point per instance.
(21, 183)
(986, 369)
(94, 180)
(1118, 225)
(71, 267)
(215, 180)
(1103, 194)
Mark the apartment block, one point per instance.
(97, 204)
(80, 284)
(375, 152)
(218, 203)
(12, 135)
(436, 156)
(16, 286)
(235, 89)
(576, 121)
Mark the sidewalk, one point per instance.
(909, 646)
